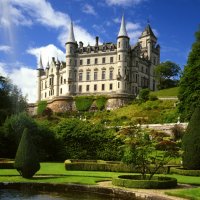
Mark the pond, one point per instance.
(11, 194)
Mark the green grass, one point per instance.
(171, 92)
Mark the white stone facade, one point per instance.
(103, 69)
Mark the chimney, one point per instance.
(97, 41)
(80, 44)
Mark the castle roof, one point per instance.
(71, 37)
(40, 65)
(148, 31)
(122, 31)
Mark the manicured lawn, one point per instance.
(171, 92)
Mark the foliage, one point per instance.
(26, 160)
(83, 103)
(142, 152)
(189, 87)
(170, 92)
(166, 72)
(153, 97)
(42, 105)
(136, 181)
(101, 102)
(84, 140)
(185, 172)
(177, 132)
(191, 142)
(144, 95)
(11, 99)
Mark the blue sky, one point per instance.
(32, 27)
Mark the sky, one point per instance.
(30, 28)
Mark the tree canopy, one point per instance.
(189, 87)
(11, 99)
(167, 74)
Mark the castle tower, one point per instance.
(70, 58)
(151, 51)
(57, 77)
(122, 56)
(39, 74)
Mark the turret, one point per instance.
(122, 55)
(39, 74)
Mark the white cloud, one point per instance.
(41, 12)
(47, 52)
(117, 20)
(24, 77)
(132, 26)
(87, 8)
(123, 2)
(5, 48)
(134, 31)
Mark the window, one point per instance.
(96, 61)
(119, 57)
(88, 76)
(60, 90)
(118, 44)
(75, 62)
(87, 88)
(136, 63)
(103, 76)
(103, 60)
(95, 87)
(64, 81)
(81, 62)
(69, 88)
(111, 74)
(70, 61)
(80, 88)
(61, 80)
(95, 76)
(80, 76)
(111, 59)
(111, 86)
(118, 84)
(71, 50)
(88, 61)
(103, 87)
(45, 94)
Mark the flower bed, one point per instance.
(136, 181)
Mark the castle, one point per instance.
(117, 71)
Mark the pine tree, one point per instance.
(26, 160)
(189, 88)
(191, 142)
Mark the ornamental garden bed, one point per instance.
(136, 181)
(185, 172)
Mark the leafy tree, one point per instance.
(191, 142)
(189, 87)
(166, 73)
(144, 153)
(26, 160)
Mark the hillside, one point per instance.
(171, 92)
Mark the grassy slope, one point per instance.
(171, 92)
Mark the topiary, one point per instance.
(26, 159)
(83, 103)
(101, 102)
(191, 142)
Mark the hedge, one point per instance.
(83, 103)
(6, 164)
(185, 172)
(100, 165)
(101, 102)
(135, 181)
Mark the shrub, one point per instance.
(153, 97)
(191, 142)
(101, 102)
(177, 132)
(185, 172)
(26, 160)
(144, 95)
(42, 105)
(83, 103)
(136, 181)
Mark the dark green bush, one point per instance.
(144, 95)
(191, 142)
(135, 181)
(185, 172)
(6, 164)
(153, 97)
(42, 105)
(26, 160)
(101, 102)
(83, 103)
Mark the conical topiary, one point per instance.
(26, 159)
(191, 142)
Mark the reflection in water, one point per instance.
(8, 194)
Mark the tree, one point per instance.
(26, 160)
(167, 74)
(145, 153)
(191, 142)
(189, 87)
(144, 95)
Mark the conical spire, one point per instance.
(122, 31)
(71, 37)
(148, 31)
(48, 66)
(40, 65)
